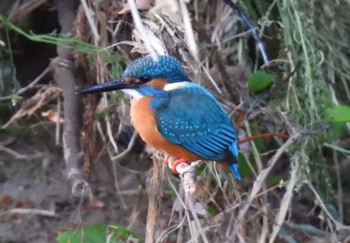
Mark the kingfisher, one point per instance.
(174, 115)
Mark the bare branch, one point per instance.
(154, 192)
(41, 212)
(65, 77)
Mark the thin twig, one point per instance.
(337, 148)
(339, 184)
(285, 202)
(251, 27)
(88, 15)
(190, 40)
(58, 122)
(41, 212)
(141, 28)
(254, 149)
(338, 224)
(136, 208)
(170, 230)
(116, 185)
(115, 159)
(16, 154)
(190, 203)
(261, 178)
(110, 135)
(25, 8)
(24, 89)
(265, 227)
(263, 135)
(211, 79)
(128, 149)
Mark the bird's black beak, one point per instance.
(109, 86)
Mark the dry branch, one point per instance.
(259, 181)
(65, 77)
(35, 211)
(287, 198)
(154, 193)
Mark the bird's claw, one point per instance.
(176, 163)
(173, 163)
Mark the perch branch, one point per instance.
(187, 173)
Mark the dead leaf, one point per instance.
(52, 116)
(93, 206)
(44, 95)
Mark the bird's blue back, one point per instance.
(191, 117)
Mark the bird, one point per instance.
(175, 115)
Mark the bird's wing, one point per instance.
(193, 119)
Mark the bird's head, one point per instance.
(144, 76)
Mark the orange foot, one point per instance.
(176, 163)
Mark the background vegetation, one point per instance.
(54, 144)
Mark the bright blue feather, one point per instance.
(234, 169)
(203, 127)
(166, 67)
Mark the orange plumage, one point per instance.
(144, 122)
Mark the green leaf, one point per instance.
(95, 234)
(336, 130)
(274, 180)
(15, 100)
(260, 80)
(244, 168)
(340, 113)
(211, 211)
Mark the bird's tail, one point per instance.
(234, 169)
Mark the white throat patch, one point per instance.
(133, 93)
(177, 85)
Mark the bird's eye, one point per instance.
(145, 79)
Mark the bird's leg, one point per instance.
(176, 162)
(173, 163)
(169, 161)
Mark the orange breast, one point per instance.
(145, 123)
